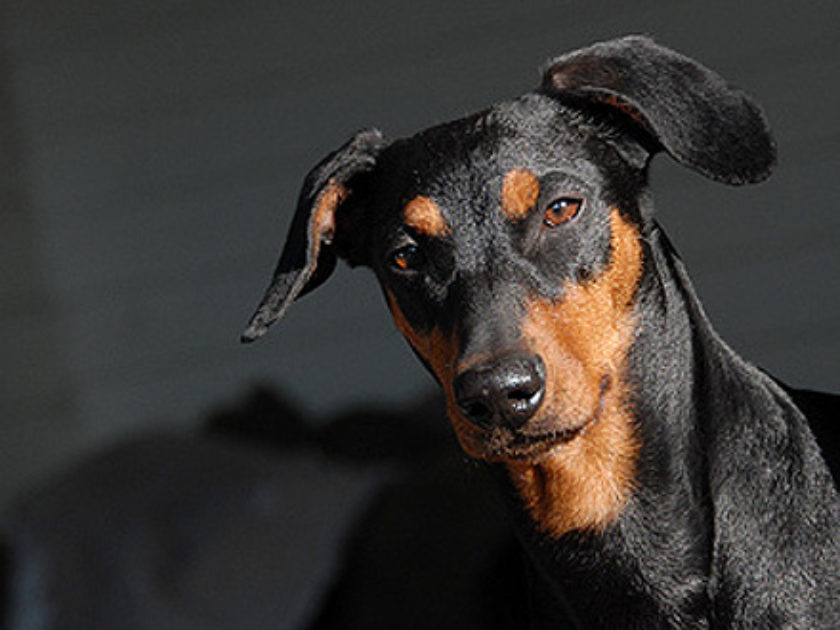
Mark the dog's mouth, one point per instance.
(500, 444)
(503, 444)
(535, 442)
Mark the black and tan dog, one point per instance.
(656, 478)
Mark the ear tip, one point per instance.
(754, 159)
(767, 166)
(757, 170)
(367, 140)
(371, 133)
(257, 327)
(249, 335)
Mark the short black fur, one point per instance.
(734, 519)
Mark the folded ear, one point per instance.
(700, 120)
(308, 258)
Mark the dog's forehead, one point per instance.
(472, 154)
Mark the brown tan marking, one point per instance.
(614, 100)
(423, 215)
(520, 190)
(584, 339)
(441, 354)
(322, 224)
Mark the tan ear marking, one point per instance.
(322, 224)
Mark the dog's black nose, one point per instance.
(505, 392)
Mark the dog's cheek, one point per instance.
(569, 396)
(585, 338)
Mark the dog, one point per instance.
(654, 478)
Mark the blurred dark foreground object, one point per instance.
(266, 521)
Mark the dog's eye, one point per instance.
(562, 210)
(407, 258)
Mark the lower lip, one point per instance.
(535, 447)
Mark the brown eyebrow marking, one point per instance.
(423, 215)
(520, 190)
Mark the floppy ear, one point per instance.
(308, 258)
(693, 114)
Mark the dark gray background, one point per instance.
(151, 154)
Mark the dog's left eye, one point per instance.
(407, 258)
(562, 210)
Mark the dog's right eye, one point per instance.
(407, 258)
(562, 210)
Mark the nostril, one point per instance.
(519, 404)
(522, 394)
(522, 403)
(478, 411)
(523, 386)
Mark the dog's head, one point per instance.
(510, 244)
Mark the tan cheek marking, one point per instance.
(423, 215)
(440, 353)
(584, 340)
(520, 190)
